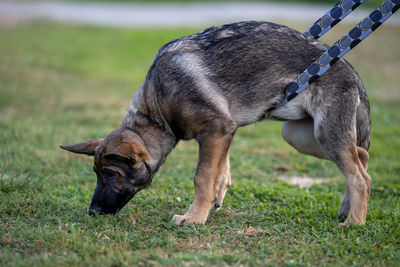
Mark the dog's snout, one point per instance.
(95, 210)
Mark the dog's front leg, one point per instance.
(213, 151)
(223, 183)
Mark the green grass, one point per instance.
(64, 84)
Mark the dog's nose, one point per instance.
(94, 210)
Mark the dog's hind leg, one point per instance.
(214, 143)
(335, 133)
(223, 183)
(344, 210)
(332, 136)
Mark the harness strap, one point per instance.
(364, 28)
(331, 18)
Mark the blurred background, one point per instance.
(161, 13)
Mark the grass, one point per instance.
(62, 84)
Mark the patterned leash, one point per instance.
(331, 18)
(364, 28)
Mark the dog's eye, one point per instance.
(108, 173)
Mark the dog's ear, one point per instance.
(130, 152)
(88, 147)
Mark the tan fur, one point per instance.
(213, 154)
(129, 149)
(358, 188)
(223, 183)
(363, 156)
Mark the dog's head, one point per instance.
(121, 163)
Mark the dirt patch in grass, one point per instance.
(304, 181)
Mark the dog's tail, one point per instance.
(363, 118)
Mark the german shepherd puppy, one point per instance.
(205, 86)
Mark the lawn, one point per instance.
(62, 84)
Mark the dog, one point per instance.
(204, 86)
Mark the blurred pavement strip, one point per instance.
(166, 15)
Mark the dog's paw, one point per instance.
(346, 223)
(188, 218)
(344, 211)
(352, 220)
(216, 204)
(342, 215)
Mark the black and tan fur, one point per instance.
(205, 86)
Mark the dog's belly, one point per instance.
(292, 111)
(246, 116)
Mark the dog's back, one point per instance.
(241, 70)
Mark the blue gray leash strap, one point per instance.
(364, 28)
(331, 18)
